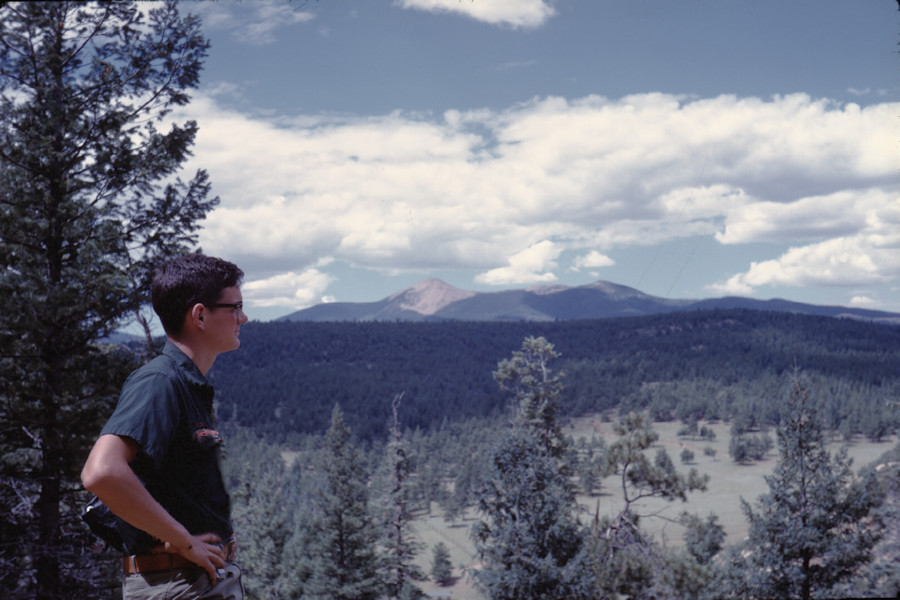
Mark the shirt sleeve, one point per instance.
(148, 413)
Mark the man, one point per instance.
(155, 464)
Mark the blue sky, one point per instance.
(689, 149)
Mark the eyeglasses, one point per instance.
(234, 306)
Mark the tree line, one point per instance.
(712, 365)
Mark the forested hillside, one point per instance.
(520, 500)
(287, 377)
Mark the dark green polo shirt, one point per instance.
(166, 406)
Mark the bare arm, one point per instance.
(107, 473)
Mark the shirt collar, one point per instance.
(188, 367)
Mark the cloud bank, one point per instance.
(553, 184)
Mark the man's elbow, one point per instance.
(92, 477)
(106, 463)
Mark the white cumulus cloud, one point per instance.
(525, 14)
(532, 265)
(854, 260)
(810, 218)
(858, 241)
(592, 260)
(293, 290)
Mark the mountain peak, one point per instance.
(550, 288)
(429, 296)
(615, 290)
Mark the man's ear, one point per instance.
(198, 316)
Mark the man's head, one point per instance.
(183, 282)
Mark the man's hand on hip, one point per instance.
(205, 550)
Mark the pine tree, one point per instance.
(296, 564)
(812, 529)
(441, 567)
(626, 560)
(536, 390)
(529, 539)
(454, 504)
(89, 202)
(702, 539)
(257, 477)
(399, 544)
(881, 577)
(341, 554)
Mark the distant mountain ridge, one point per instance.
(436, 300)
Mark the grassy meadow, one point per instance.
(728, 483)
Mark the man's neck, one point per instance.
(203, 360)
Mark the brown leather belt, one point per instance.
(164, 561)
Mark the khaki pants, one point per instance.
(184, 584)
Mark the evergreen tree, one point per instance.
(812, 530)
(587, 475)
(702, 539)
(295, 561)
(626, 560)
(681, 576)
(881, 577)
(441, 567)
(89, 202)
(341, 553)
(691, 428)
(454, 504)
(745, 448)
(399, 545)
(639, 476)
(257, 482)
(530, 540)
(452, 508)
(536, 390)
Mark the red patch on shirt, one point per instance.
(207, 437)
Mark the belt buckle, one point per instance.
(229, 548)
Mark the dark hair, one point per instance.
(182, 282)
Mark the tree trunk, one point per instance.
(806, 585)
(48, 579)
